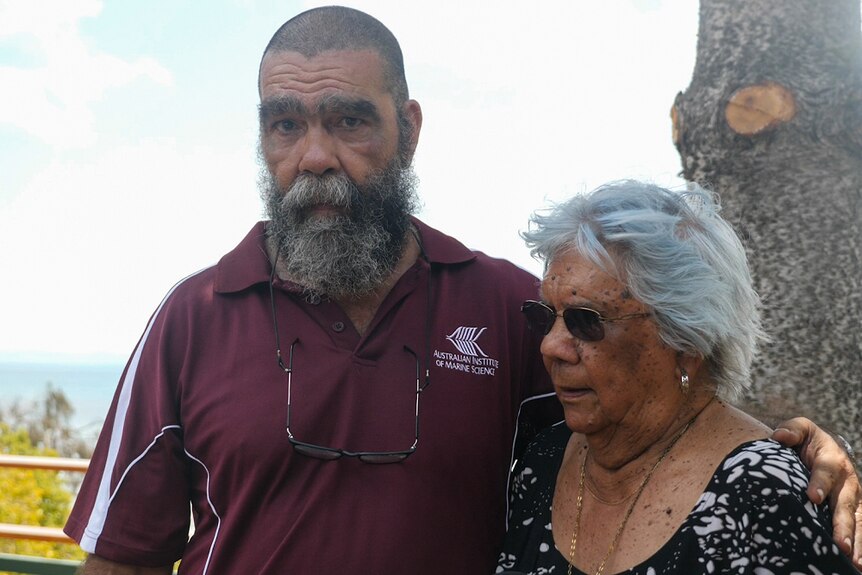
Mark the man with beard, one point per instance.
(279, 392)
(350, 249)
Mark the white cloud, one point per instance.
(92, 246)
(43, 18)
(52, 100)
(522, 103)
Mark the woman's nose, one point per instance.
(559, 344)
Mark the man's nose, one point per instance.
(319, 152)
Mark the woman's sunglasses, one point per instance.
(582, 322)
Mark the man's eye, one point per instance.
(350, 122)
(285, 126)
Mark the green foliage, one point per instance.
(38, 497)
(48, 423)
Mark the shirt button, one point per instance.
(338, 326)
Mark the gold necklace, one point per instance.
(619, 532)
(602, 500)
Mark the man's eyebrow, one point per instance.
(280, 105)
(334, 104)
(338, 104)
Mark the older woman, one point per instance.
(650, 324)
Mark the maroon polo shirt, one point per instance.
(199, 416)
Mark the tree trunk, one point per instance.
(772, 121)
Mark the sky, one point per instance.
(128, 137)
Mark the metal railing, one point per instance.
(38, 565)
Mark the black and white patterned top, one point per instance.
(753, 518)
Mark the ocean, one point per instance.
(88, 387)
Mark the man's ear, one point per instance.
(413, 112)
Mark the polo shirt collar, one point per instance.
(247, 264)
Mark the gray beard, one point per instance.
(345, 255)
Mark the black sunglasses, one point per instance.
(332, 453)
(582, 322)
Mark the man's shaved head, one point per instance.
(339, 28)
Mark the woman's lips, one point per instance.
(571, 394)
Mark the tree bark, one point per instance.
(772, 122)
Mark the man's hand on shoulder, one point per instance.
(832, 474)
(95, 565)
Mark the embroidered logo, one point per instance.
(471, 358)
(464, 340)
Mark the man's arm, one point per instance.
(832, 473)
(95, 565)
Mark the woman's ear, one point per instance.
(689, 367)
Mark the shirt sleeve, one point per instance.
(133, 505)
(755, 518)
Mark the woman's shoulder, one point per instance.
(764, 461)
(756, 476)
(755, 512)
